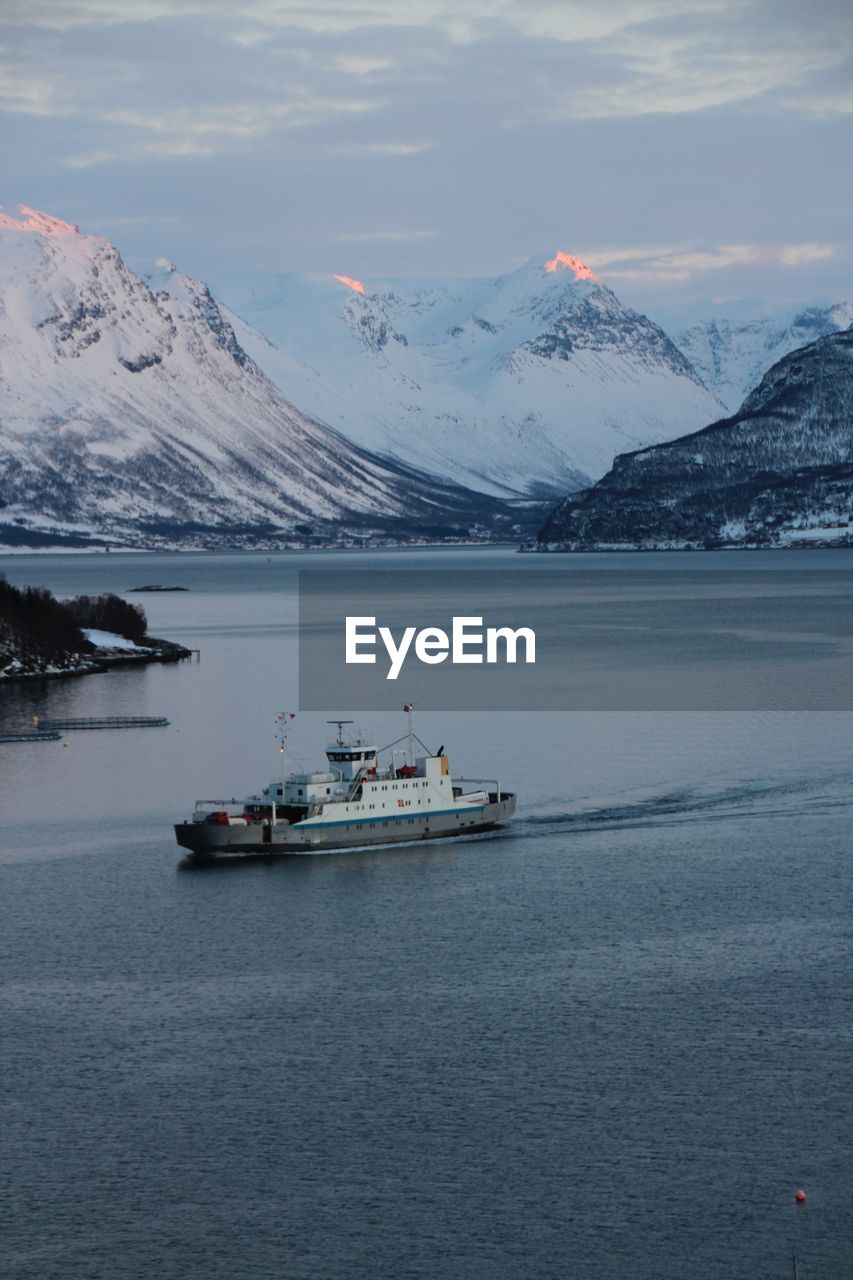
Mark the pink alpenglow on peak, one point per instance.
(32, 220)
(350, 283)
(581, 270)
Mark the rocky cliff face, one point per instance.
(130, 412)
(778, 472)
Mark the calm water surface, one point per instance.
(609, 1042)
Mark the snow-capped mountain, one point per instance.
(521, 384)
(779, 472)
(130, 409)
(732, 344)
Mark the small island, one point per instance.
(45, 638)
(154, 586)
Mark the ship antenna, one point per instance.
(409, 709)
(340, 724)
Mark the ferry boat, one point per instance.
(353, 803)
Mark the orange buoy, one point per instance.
(800, 1197)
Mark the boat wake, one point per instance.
(695, 804)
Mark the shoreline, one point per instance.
(99, 663)
(603, 548)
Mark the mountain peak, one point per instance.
(134, 413)
(566, 262)
(349, 282)
(33, 220)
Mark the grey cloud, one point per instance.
(272, 131)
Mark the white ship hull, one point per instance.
(208, 841)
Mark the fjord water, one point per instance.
(610, 1041)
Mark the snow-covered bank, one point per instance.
(109, 640)
(17, 663)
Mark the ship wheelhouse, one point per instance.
(351, 759)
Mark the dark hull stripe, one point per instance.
(223, 852)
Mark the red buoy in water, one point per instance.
(800, 1197)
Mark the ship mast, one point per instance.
(283, 720)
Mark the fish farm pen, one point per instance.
(105, 722)
(45, 730)
(29, 735)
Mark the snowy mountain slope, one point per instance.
(732, 344)
(130, 411)
(525, 383)
(777, 472)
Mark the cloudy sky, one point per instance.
(685, 149)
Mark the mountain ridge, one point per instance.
(520, 384)
(732, 347)
(778, 472)
(133, 413)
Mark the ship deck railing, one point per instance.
(496, 792)
(224, 804)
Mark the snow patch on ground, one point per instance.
(817, 533)
(109, 640)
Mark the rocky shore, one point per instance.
(21, 664)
